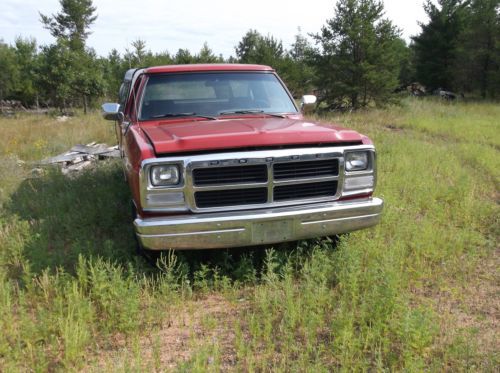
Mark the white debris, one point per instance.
(81, 156)
(62, 118)
(37, 171)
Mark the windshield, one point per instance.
(214, 94)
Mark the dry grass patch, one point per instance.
(187, 328)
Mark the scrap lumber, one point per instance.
(82, 156)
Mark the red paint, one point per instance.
(136, 148)
(206, 67)
(195, 135)
(149, 139)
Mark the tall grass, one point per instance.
(74, 297)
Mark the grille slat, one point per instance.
(294, 171)
(307, 169)
(301, 191)
(231, 197)
(230, 175)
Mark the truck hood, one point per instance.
(200, 135)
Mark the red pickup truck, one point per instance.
(220, 156)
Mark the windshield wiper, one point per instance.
(229, 112)
(175, 115)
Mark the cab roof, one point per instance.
(206, 67)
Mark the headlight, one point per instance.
(356, 161)
(165, 175)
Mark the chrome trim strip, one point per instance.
(304, 180)
(270, 183)
(338, 219)
(228, 186)
(187, 234)
(263, 226)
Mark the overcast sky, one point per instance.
(170, 25)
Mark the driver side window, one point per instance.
(123, 95)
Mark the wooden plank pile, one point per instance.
(81, 156)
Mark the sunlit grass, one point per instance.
(32, 137)
(73, 295)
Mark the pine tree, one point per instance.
(9, 71)
(184, 56)
(358, 62)
(206, 55)
(26, 61)
(407, 74)
(56, 74)
(436, 46)
(296, 69)
(246, 51)
(114, 67)
(79, 77)
(72, 23)
(478, 52)
(265, 50)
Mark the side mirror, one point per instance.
(307, 102)
(111, 111)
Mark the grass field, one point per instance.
(419, 292)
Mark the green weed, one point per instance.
(73, 296)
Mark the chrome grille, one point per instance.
(232, 181)
(304, 191)
(225, 184)
(231, 197)
(230, 175)
(306, 169)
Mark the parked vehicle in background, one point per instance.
(220, 156)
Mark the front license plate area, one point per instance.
(272, 231)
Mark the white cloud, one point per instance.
(170, 25)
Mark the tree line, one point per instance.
(357, 58)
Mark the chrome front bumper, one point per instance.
(256, 227)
